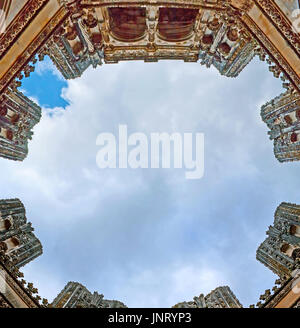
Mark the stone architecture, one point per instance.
(221, 297)
(75, 295)
(18, 246)
(150, 33)
(282, 113)
(280, 252)
(282, 116)
(78, 33)
(18, 115)
(285, 293)
(17, 239)
(15, 292)
(282, 246)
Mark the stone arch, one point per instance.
(127, 24)
(10, 244)
(295, 230)
(296, 254)
(176, 24)
(287, 249)
(5, 224)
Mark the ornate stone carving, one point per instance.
(75, 295)
(221, 297)
(28, 12)
(18, 115)
(281, 22)
(11, 76)
(68, 50)
(21, 245)
(282, 115)
(276, 252)
(14, 281)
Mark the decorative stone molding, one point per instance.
(221, 297)
(25, 291)
(281, 22)
(24, 245)
(75, 295)
(28, 12)
(9, 79)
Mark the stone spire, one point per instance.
(16, 234)
(18, 115)
(75, 295)
(221, 297)
(282, 116)
(281, 249)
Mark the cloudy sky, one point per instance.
(150, 237)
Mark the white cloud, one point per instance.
(151, 237)
(45, 66)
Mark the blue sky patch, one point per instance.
(45, 84)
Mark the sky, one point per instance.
(151, 237)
